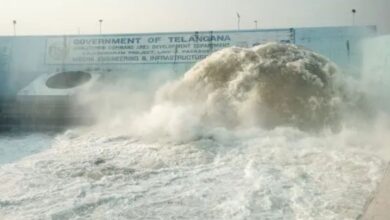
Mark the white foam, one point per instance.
(283, 173)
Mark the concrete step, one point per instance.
(379, 207)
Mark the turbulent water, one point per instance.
(268, 85)
(245, 134)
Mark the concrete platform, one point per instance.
(379, 207)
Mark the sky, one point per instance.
(58, 17)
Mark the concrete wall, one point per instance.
(376, 69)
(340, 44)
(24, 58)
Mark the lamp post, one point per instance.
(238, 21)
(255, 24)
(14, 24)
(100, 26)
(353, 16)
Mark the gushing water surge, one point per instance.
(271, 132)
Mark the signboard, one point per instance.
(152, 48)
